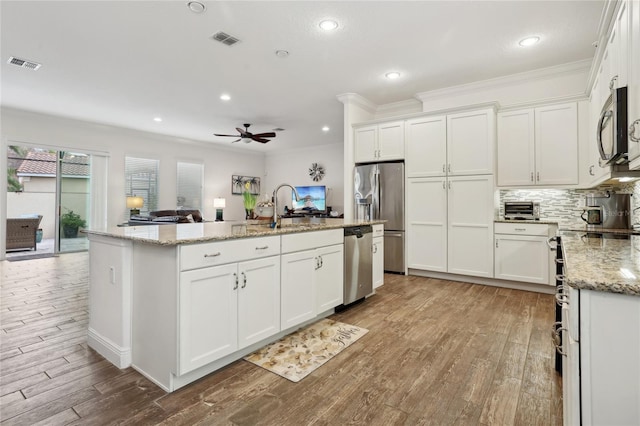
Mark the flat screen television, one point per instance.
(313, 199)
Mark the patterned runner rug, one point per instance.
(297, 355)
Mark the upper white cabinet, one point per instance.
(452, 145)
(470, 141)
(426, 146)
(633, 83)
(538, 146)
(380, 142)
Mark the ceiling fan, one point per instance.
(246, 136)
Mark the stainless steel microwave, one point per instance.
(612, 136)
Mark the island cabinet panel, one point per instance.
(194, 256)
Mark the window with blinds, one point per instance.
(189, 188)
(141, 180)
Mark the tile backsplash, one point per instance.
(565, 205)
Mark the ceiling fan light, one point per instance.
(245, 140)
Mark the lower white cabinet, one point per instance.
(378, 262)
(329, 277)
(226, 308)
(522, 253)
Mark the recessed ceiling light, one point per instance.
(225, 97)
(157, 119)
(196, 6)
(325, 129)
(529, 41)
(392, 75)
(282, 53)
(328, 25)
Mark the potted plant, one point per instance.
(70, 223)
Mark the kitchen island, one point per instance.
(177, 302)
(600, 329)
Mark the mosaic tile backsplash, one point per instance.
(565, 205)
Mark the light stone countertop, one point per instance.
(602, 264)
(190, 233)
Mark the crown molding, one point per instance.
(358, 100)
(605, 26)
(512, 79)
(544, 102)
(399, 107)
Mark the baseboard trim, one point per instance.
(516, 285)
(120, 357)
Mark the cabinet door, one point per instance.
(556, 128)
(426, 145)
(298, 288)
(391, 141)
(378, 262)
(365, 142)
(470, 141)
(330, 277)
(258, 300)
(470, 226)
(427, 224)
(516, 148)
(522, 258)
(633, 82)
(208, 315)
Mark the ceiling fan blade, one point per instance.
(231, 136)
(265, 135)
(257, 139)
(242, 132)
(237, 140)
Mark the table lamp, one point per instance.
(134, 204)
(219, 204)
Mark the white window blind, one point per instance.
(189, 193)
(141, 180)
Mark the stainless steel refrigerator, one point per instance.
(379, 194)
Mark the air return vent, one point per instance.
(24, 63)
(225, 38)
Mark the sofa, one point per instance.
(21, 232)
(167, 217)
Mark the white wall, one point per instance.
(292, 167)
(33, 129)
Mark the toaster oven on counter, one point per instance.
(521, 210)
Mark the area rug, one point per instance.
(300, 353)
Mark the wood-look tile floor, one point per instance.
(438, 352)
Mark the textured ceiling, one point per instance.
(125, 62)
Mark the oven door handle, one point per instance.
(551, 240)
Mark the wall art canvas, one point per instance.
(238, 184)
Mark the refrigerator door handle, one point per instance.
(376, 202)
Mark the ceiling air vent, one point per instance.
(24, 63)
(225, 38)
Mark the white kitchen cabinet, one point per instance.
(312, 275)
(226, 308)
(444, 233)
(470, 142)
(522, 253)
(378, 262)
(426, 146)
(470, 225)
(427, 224)
(633, 83)
(329, 277)
(538, 146)
(381, 142)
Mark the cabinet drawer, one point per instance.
(218, 253)
(311, 240)
(378, 230)
(522, 229)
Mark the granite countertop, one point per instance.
(537, 222)
(602, 264)
(190, 233)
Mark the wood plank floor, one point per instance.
(438, 352)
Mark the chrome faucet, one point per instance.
(275, 201)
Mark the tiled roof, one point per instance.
(44, 163)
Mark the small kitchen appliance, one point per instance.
(521, 210)
(611, 134)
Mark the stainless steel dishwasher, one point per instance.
(358, 278)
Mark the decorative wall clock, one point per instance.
(316, 172)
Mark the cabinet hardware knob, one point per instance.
(449, 167)
(520, 229)
(235, 276)
(449, 184)
(262, 248)
(538, 176)
(531, 176)
(212, 255)
(444, 185)
(632, 131)
(591, 171)
(443, 168)
(496, 243)
(244, 280)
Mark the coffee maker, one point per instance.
(607, 211)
